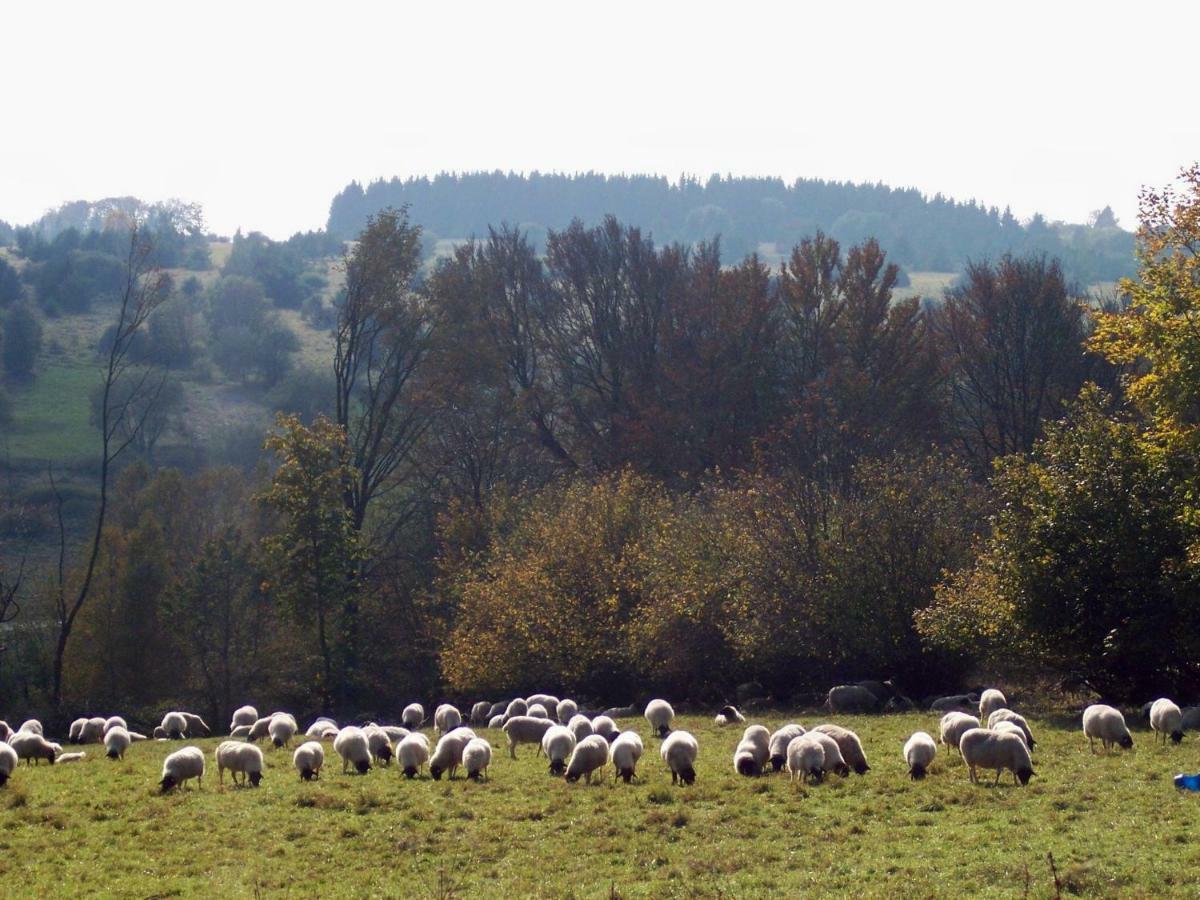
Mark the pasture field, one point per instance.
(1114, 824)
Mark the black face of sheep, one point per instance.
(861, 768)
(1126, 741)
(473, 776)
(748, 767)
(3, 778)
(663, 731)
(1177, 736)
(113, 754)
(436, 772)
(688, 775)
(777, 762)
(817, 775)
(410, 771)
(843, 770)
(728, 712)
(385, 754)
(255, 778)
(572, 777)
(1023, 775)
(625, 775)
(307, 774)
(167, 783)
(917, 772)
(176, 735)
(362, 766)
(557, 768)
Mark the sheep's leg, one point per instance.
(996, 783)
(1092, 743)
(512, 749)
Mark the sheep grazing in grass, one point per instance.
(175, 725)
(1107, 724)
(239, 757)
(516, 707)
(990, 701)
(243, 715)
(282, 729)
(496, 721)
(621, 712)
(196, 725)
(1011, 728)
(558, 743)
(605, 727)
(92, 731)
(182, 766)
(1007, 715)
(413, 716)
(240, 731)
(834, 761)
(8, 762)
(476, 757)
(380, 743)
(412, 753)
(752, 752)
(160, 733)
(679, 751)
(480, 713)
(75, 730)
(33, 748)
(982, 748)
(116, 742)
(308, 759)
(919, 751)
(660, 715)
(446, 718)
(525, 730)
(728, 715)
(589, 755)
(113, 722)
(567, 710)
(447, 755)
(954, 725)
(537, 711)
(5, 730)
(849, 745)
(778, 744)
(31, 725)
(320, 728)
(1167, 720)
(1190, 720)
(850, 698)
(806, 759)
(580, 726)
(352, 746)
(964, 703)
(394, 732)
(624, 754)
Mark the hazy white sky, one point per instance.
(263, 111)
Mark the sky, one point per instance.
(263, 111)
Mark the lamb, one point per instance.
(1107, 724)
(605, 727)
(834, 761)
(182, 766)
(116, 742)
(8, 762)
(850, 698)
(413, 716)
(954, 725)
(447, 755)
(516, 707)
(196, 725)
(985, 749)
(479, 712)
(660, 716)
(558, 743)
(919, 751)
(679, 751)
(476, 757)
(446, 718)
(32, 747)
(566, 710)
(624, 754)
(728, 715)
(849, 745)
(778, 744)
(589, 755)
(525, 730)
(175, 725)
(308, 759)
(243, 715)
(806, 759)
(412, 753)
(352, 746)
(1167, 719)
(114, 721)
(580, 726)
(380, 743)
(237, 756)
(70, 757)
(1007, 715)
(990, 701)
(537, 711)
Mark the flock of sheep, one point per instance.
(578, 745)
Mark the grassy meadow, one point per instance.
(1114, 824)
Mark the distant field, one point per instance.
(1114, 824)
(928, 285)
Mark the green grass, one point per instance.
(51, 415)
(1115, 825)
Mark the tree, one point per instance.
(147, 415)
(22, 341)
(10, 284)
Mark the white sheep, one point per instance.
(182, 766)
(92, 731)
(605, 727)
(196, 725)
(496, 721)
(33, 748)
(1166, 719)
(558, 743)
(954, 725)
(679, 751)
(919, 751)
(990, 701)
(243, 715)
(8, 762)
(1107, 724)
(447, 755)
(282, 729)
(352, 746)
(660, 715)
(380, 743)
(567, 709)
(516, 707)
(778, 744)
(116, 742)
(5, 730)
(982, 748)
(239, 731)
(31, 725)
(849, 745)
(525, 730)
(75, 730)
(580, 726)
(239, 757)
(413, 716)
(834, 761)
(412, 753)
(394, 732)
(476, 757)
(850, 698)
(446, 718)
(806, 759)
(175, 725)
(160, 733)
(1007, 715)
(479, 712)
(64, 758)
(589, 755)
(113, 722)
(1011, 728)
(728, 715)
(624, 754)
(320, 727)
(537, 711)
(308, 759)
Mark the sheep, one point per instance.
(990, 701)
(624, 754)
(31, 725)
(136, 735)
(537, 711)
(113, 722)
(196, 725)
(380, 743)
(262, 727)
(849, 745)
(160, 733)
(919, 751)
(547, 700)
(778, 744)
(8, 762)
(320, 728)
(352, 746)
(660, 715)
(237, 756)
(551, 707)
(1007, 715)
(75, 730)
(516, 707)
(182, 766)
(834, 761)
(558, 743)
(175, 725)
(1107, 724)
(746, 759)
(33, 748)
(605, 727)
(446, 718)
(806, 759)
(116, 742)
(982, 748)
(243, 715)
(447, 755)
(412, 753)
(728, 715)
(965, 703)
(394, 732)
(496, 721)
(308, 759)
(589, 755)
(566, 710)
(954, 725)
(5, 730)
(850, 698)
(413, 716)
(1189, 722)
(1167, 719)
(476, 757)
(479, 713)
(525, 730)
(580, 726)
(497, 709)
(679, 751)
(239, 731)
(92, 731)
(1011, 728)
(282, 729)
(70, 757)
